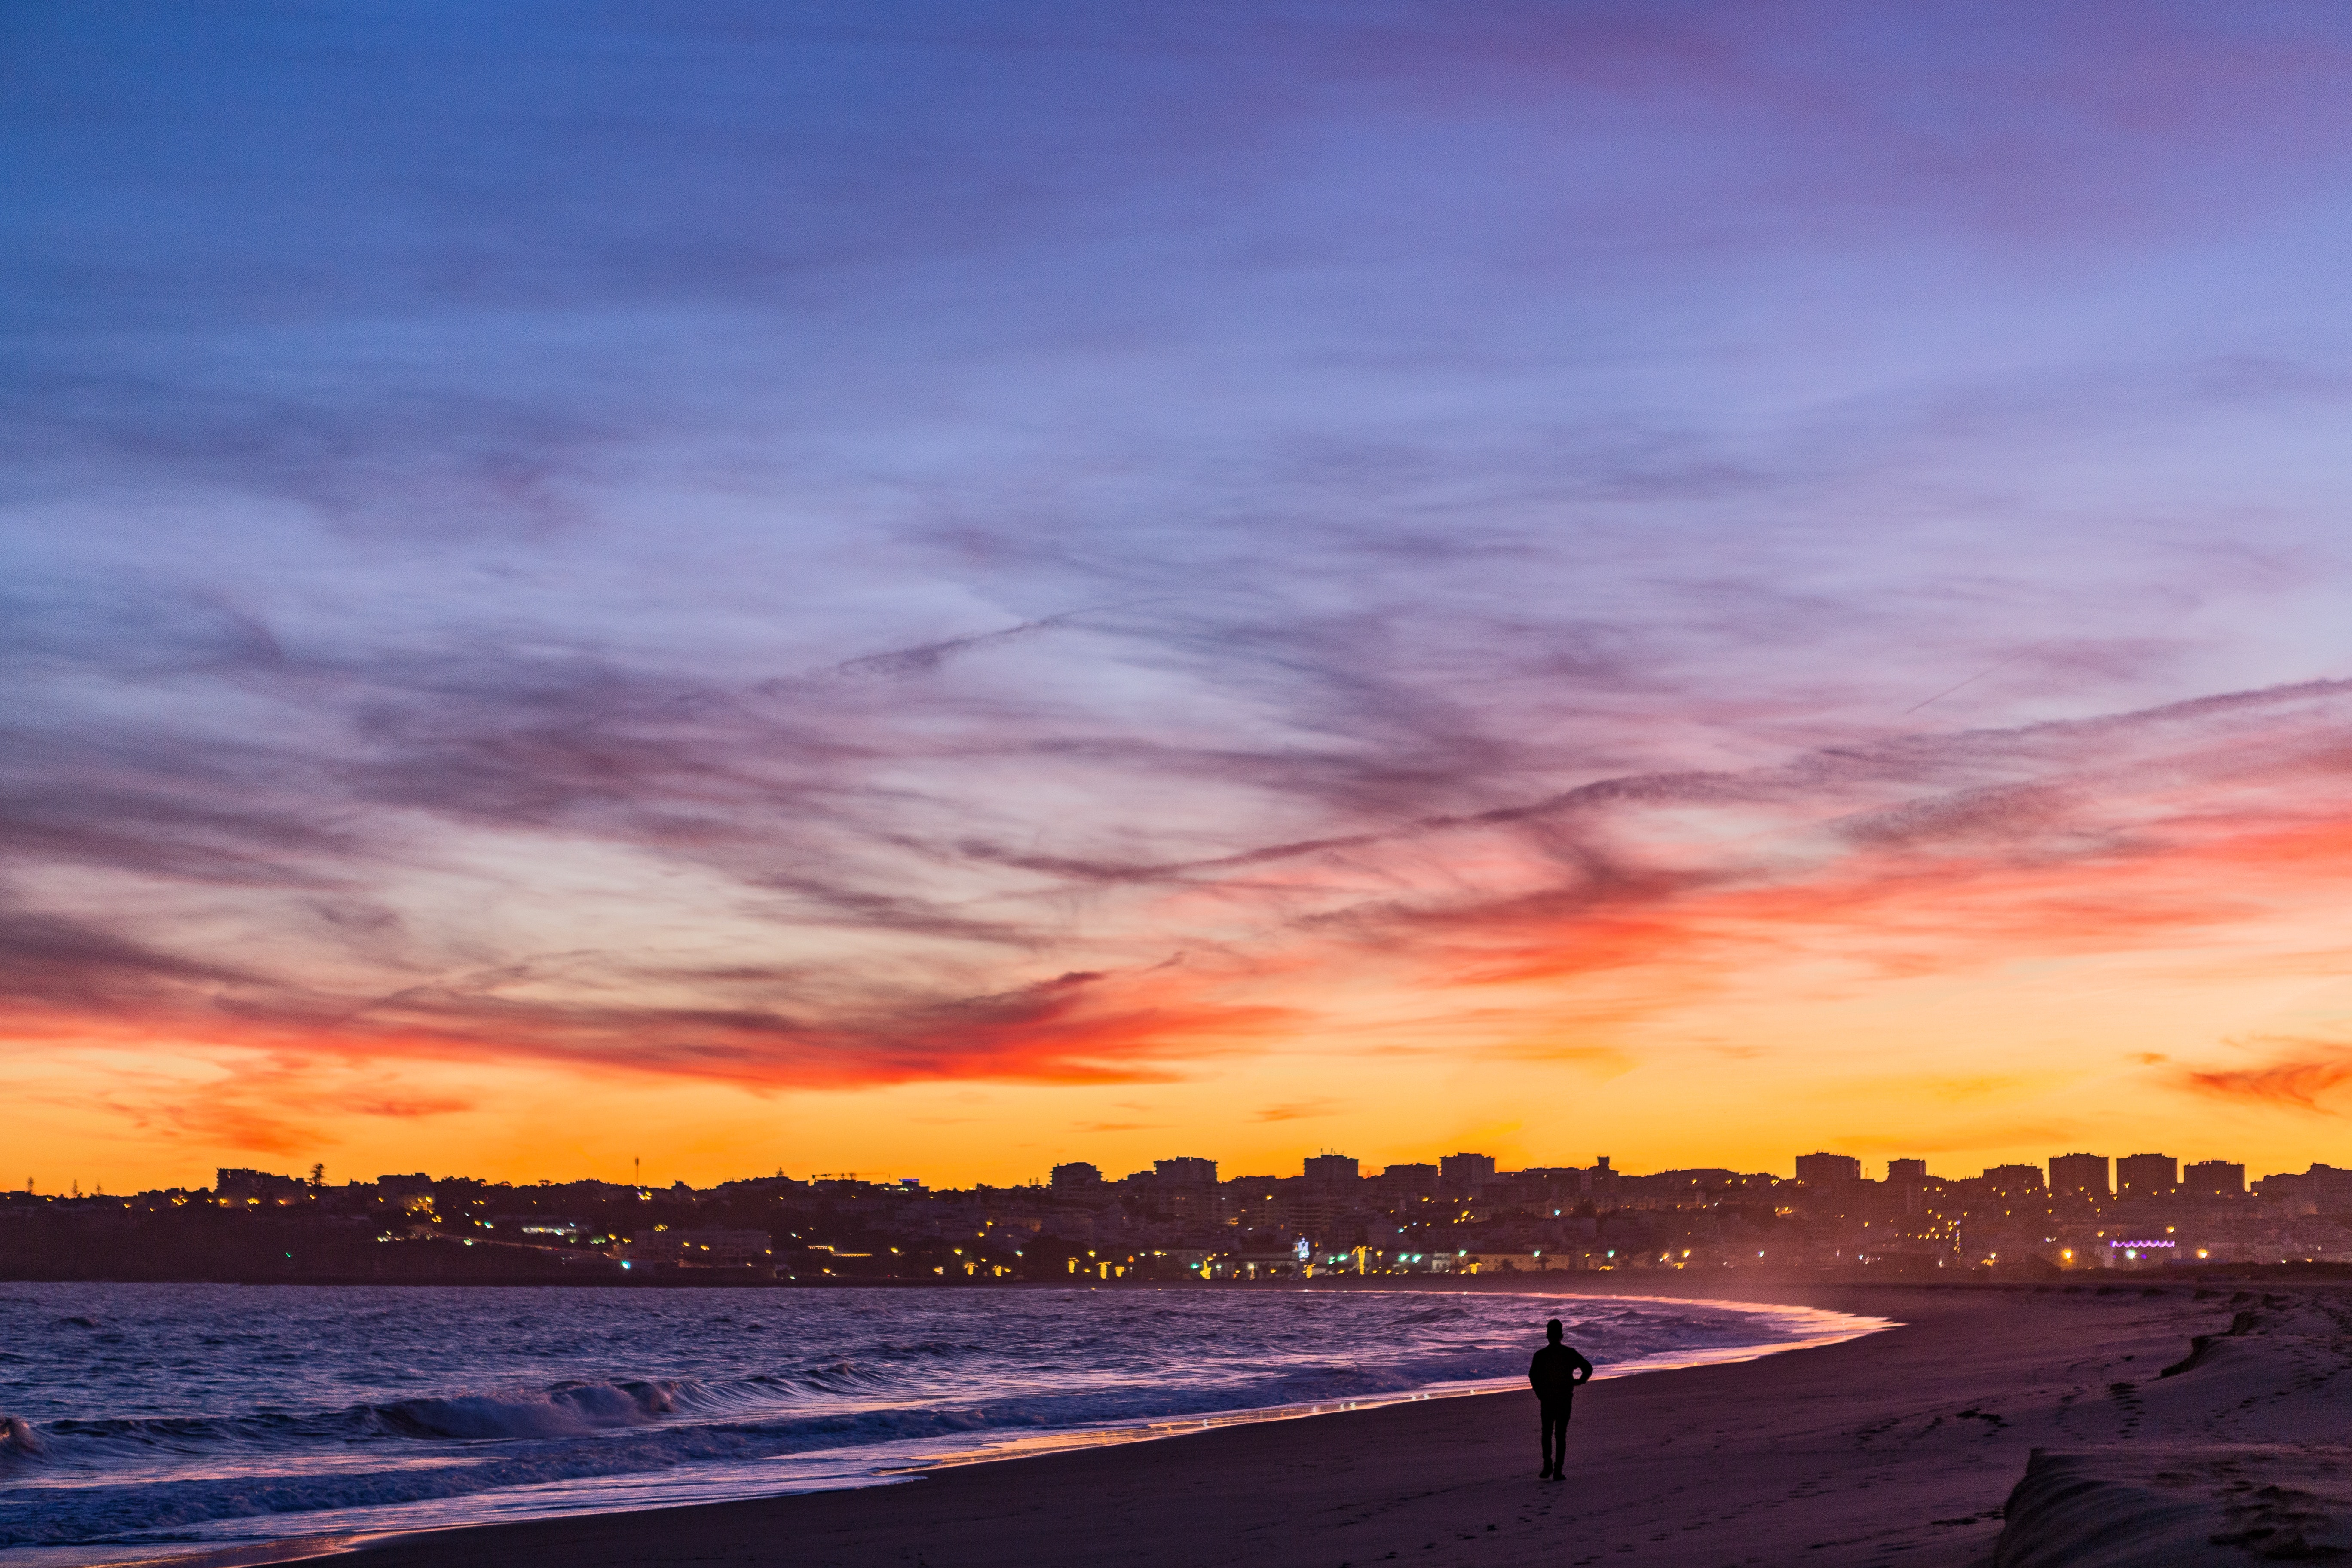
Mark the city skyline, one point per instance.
(942, 592)
(2156, 1171)
(1183, 1219)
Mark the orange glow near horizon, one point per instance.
(1969, 982)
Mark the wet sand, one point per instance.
(1900, 1447)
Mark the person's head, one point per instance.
(1551, 1331)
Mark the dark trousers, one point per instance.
(1555, 1433)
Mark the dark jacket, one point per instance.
(1556, 1372)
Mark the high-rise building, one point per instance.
(1186, 1188)
(1467, 1170)
(1821, 1169)
(1418, 1180)
(2215, 1179)
(1254, 1203)
(2331, 1188)
(1077, 1176)
(2146, 1175)
(1601, 1182)
(2014, 1181)
(1332, 1170)
(1904, 1171)
(2322, 1189)
(2085, 1175)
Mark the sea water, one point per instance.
(138, 1420)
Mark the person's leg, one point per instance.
(1555, 1438)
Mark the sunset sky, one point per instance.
(925, 589)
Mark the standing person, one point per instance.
(1554, 1374)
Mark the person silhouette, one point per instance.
(1554, 1375)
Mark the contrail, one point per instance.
(1980, 674)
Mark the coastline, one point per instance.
(1774, 1328)
(1905, 1445)
(1900, 1445)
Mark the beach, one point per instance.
(142, 1416)
(1901, 1447)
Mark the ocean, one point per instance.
(142, 1420)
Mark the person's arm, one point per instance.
(1535, 1366)
(1583, 1371)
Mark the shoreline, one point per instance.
(1801, 1328)
(1904, 1445)
(1909, 1444)
(1660, 1282)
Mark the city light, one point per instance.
(1179, 1220)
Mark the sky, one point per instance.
(927, 589)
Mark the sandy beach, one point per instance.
(1902, 1446)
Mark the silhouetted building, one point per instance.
(2322, 1189)
(2014, 1181)
(2292, 1193)
(1255, 1203)
(2146, 1175)
(255, 1186)
(1706, 1179)
(2082, 1174)
(1601, 1182)
(2214, 1179)
(1827, 1170)
(1908, 1181)
(702, 1248)
(541, 1226)
(1467, 1170)
(1186, 1188)
(1176, 1221)
(1419, 1181)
